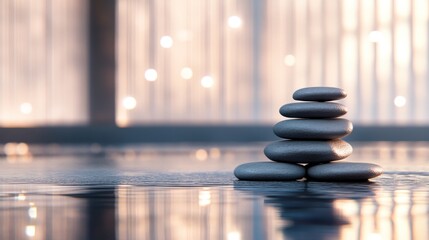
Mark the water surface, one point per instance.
(189, 192)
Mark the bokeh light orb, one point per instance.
(26, 108)
(234, 22)
(186, 73)
(129, 102)
(400, 101)
(150, 74)
(166, 42)
(207, 82)
(289, 60)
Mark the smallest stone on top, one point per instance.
(319, 94)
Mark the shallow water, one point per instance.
(189, 192)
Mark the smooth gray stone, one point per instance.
(344, 171)
(313, 110)
(320, 94)
(316, 129)
(295, 151)
(269, 171)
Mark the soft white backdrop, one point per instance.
(229, 61)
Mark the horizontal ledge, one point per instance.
(190, 133)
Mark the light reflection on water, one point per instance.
(55, 199)
(292, 210)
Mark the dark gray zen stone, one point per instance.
(323, 129)
(320, 94)
(269, 171)
(313, 110)
(295, 151)
(344, 171)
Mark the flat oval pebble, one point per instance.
(323, 129)
(313, 110)
(320, 94)
(295, 151)
(269, 171)
(344, 171)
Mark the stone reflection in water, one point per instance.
(307, 211)
(315, 210)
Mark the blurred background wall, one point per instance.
(205, 62)
(43, 62)
(239, 61)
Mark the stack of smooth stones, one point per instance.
(312, 145)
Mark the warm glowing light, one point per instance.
(347, 207)
(122, 122)
(289, 60)
(30, 230)
(166, 42)
(10, 148)
(26, 108)
(234, 22)
(22, 149)
(204, 198)
(234, 235)
(32, 212)
(400, 101)
(21, 197)
(375, 36)
(150, 74)
(402, 196)
(129, 103)
(215, 153)
(201, 154)
(374, 236)
(186, 73)
(207, 82)
(368, 209)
